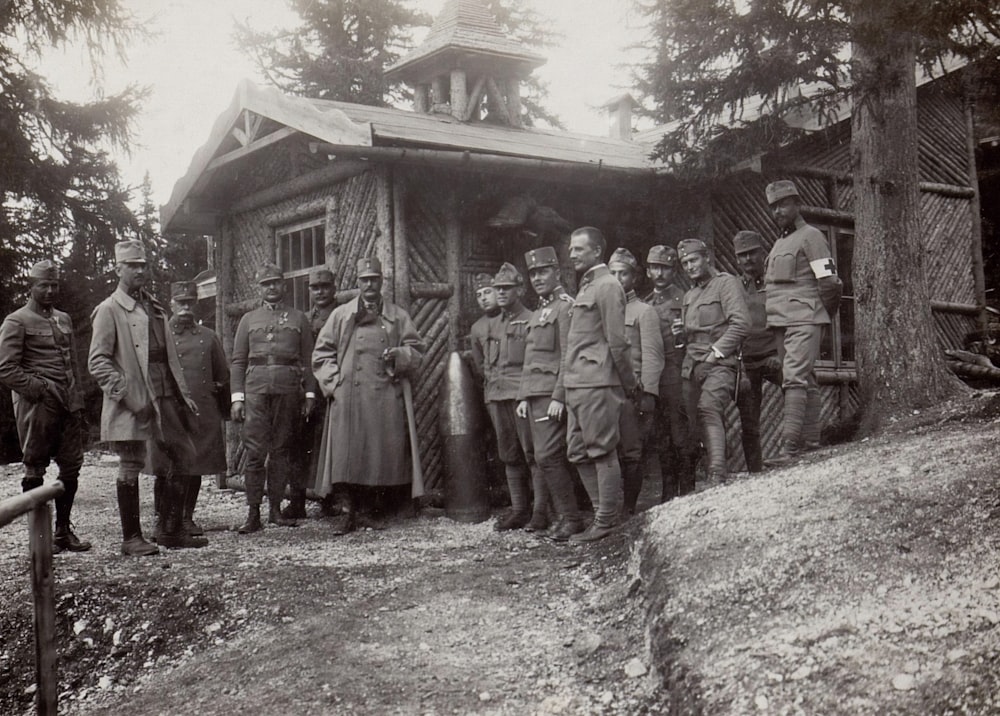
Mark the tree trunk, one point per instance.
(900, 365)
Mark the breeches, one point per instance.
(798, 350)
(514, 444)
(592, 428)
(46, 431)
(270, 427)
(636, 428)
(548, 436)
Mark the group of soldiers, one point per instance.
(643, 385)
(604, 382)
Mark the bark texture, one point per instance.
(900, 365)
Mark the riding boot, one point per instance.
(252, 522)
(173, 535)
(541, 502)
(791, 430)
(812, 423)
(133, 543)
(159, 490)
(192, 486)
(64, 539)
(632, 475)
(347, 520)
(714, 432)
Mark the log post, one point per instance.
(383, 221)
(437, 91)
(976, 239)
(496, 102)
(459, 94)
(453, 258)
(475, 100)
(331, 233)
(421, 101)
(514, 101)
(400, 244)
(40, 549)
(225, 295)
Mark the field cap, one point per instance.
(319, 276)
(508, 275)
(482, 280)
(623, 256)
(130, 252)
(44, 270)
(541, 257)
(747, 241)
(691, 246)
(778, 190)
(184, 289)
(663, 255)
(268, 272)
(369, 267)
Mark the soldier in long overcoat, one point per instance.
(365, 348)
(206, 371)
(145, 394)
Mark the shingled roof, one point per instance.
(466, 26)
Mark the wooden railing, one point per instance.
(36, 502)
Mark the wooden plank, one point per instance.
(400, 243)
(383, 217)
(453, 260)
(13, 507)
(43, 593)
(265, 141)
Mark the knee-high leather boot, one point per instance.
(133, 543)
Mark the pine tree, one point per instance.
(712, 60)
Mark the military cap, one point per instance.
(541, 257)
(663, 255)
(691, 246)
(778, 190)
(268, 272)
(624, 256)
(369, 266)
(508, 275)
(132, 251)
(482, 280)
(319, 276)
(747, 241)
(44, 270)
(184, 289)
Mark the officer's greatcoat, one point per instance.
(365, 434)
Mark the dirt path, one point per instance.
(427, 617)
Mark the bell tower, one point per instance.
(467, 67)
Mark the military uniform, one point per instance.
(145, 393)
(270, 375)
(803, 291)
(541, 384)
(598, 376)
(642, 329)
(206, 373)
(672, 419)
(716, 321)
(760, 357)
(503, 365)
(479, 333)
(37, 364)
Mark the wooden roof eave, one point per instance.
(296, 116)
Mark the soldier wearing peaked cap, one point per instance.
(486, 297)
(38, 366)
(716, 321)
(502, 367)
(322, 297)
(542, 396)
(676, 465)
(598, 377)
(206, 372)
(642, 328)
(760, 352)
(146, 396)
(803, 294)
(362, 352)
(273, 392)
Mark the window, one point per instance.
(837, 349)
(301, 248)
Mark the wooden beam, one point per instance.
(265, 141)
(332, 173)
(383, 229)
(472, 107)
(498, 102)
(421, 99)
(400, 242)
(459, 96)
(453, 264)
(252, 121)
(514, 101)
(965, 309)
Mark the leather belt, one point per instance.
(158, 356)
(273, 360)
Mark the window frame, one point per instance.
(833, 229)
(297, 291)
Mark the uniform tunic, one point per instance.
(207, 375)
(598, 370)
(318, 316)
(642, 328)
(37, 360)
(365, 434)
(478, 337)
(760, 363)
(502, 367)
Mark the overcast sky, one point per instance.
(192, 67)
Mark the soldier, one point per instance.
(322, 297)
(760, 352)
(486, 297)
(803, 294)
(503, 365)
(206, 372)
(716, 320)
(542, 395)
(361, 352)
(273, 390)
(672, 420)
(38, 366)
(642, 328)
(598, 377)
(145, 394)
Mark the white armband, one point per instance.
(238, 398)
(822, 268)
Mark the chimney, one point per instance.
(619, 112)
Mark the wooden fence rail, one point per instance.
(36, 502)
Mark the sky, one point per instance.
(191, 67)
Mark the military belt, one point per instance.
(273, 360)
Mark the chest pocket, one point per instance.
(781, 267)
(515, 343)
(40, 335)
(632, 331)
(710, 314)
(543, 337)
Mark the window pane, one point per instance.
(283, 256)
(845, 263)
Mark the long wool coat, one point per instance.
(364, 434)
(207, 374)
(119, 362)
